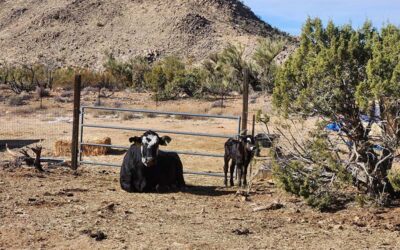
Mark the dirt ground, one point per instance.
(63, 209)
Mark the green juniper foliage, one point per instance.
(340, 74)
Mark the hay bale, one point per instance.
(63, 147)
(97, 150)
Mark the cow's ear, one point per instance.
(135, 140)
(165, 140)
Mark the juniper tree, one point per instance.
(340, 73)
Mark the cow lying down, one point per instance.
(146, 168)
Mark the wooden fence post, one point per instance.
(253, 130)
(75, 124)
(245, 111)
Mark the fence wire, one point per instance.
(29, 123)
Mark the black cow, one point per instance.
(240, 151)
(146, 168)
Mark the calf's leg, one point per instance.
(226, 162)
(233, 164)
(245, 174)
(240, 172)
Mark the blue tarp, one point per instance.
(365, 118)
(336, 127)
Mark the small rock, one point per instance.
(245, 198)
(128, 212)
(338, 227)
(241, 231)
(111, 207)
(19, 212)
(98, 236)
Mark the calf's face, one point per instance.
(150, 142)
(249, 142)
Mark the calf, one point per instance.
(241, 152)
(146, 168)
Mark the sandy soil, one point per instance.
(62, 209)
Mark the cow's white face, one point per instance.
(149, 148)
(248, 142)
(149, 144)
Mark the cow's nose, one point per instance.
(253, 148)
(149, 160)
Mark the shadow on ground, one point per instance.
(208, 190)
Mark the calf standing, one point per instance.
(241, 152)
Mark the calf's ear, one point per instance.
(136, 140)
(165, 140)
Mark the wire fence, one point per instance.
(31, 122)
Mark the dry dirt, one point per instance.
(78, 33)
(63, 209)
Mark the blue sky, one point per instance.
(289, 15)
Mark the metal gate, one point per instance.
(83, 125)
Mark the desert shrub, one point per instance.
(61, 99)
(156, 80)
(25, 96)
(299, 184)
(183, 117)
(394, 178)
(120, 71)
(16, 100)
(25, 77)
(67, 93)
(128, 73)
(169, 79)
(217, 104)
(41, 92)
(299, 180)
(27, 110)
(140, 66)
(310, 168)
(323, 201)
(186, 84)
(126, 116)
(64, 77)
(149, 115)
(264, 57)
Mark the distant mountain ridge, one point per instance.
(79, 32)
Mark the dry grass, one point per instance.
(126, 116)
(28, 110)
(16, 101)
(102, 113)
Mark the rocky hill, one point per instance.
(79, 32)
